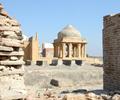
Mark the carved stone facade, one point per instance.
(111, 52)
(69, 44)
(11, 58)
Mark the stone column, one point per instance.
(70, 49)
(82, 53)
(55, 49)
(60, 50)
(79, 50)
(84, 50)
(63, 50)
(74, 51)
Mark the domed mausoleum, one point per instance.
(70, 44)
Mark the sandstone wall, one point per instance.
(111, 52)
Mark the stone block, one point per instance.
(67, 62)
(54, 82)
(78, 62)
(54, 62)
(42, 63)
(27, 62)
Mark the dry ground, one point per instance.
(37, 78)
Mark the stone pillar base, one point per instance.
(54, 62)
(78, 62)
(42, 63)
(67, 62)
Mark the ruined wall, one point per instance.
(11, 58)
(111, 52)
(35, 48)
(31, 49)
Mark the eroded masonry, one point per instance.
(11, 58)
(111, 52)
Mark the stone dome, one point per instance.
(69, 31)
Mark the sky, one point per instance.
(48, 17)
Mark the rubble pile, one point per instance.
(88, 96)
(11, 58)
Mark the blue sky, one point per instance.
(48, 17)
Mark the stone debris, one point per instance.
(49, 95)
(61, 82)
(11, 58)
(54, 82)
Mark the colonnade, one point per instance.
(70, 50)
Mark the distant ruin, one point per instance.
(31, 49)
(70, 44)
(11, 58)
(111, 52)
(69, 48)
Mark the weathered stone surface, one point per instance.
(116, 97)
(9, 28)
(2, 68)
(10, 40)
(61, 83)
(10, 44)
(13, 58)
(4, 48)
(19, 62)
(14, 53)
(13, 95)
(74, 97)
(11, 73)
(54, 82)
(4, 13)
(10, 34)
(111, 52)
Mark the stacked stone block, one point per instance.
(111, 52)
(11, 58)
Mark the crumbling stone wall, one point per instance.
(111, 52)
(11, 58)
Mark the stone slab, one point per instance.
(4, 48)
(14, 53)
(12, 62)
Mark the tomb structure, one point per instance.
(70, 44)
